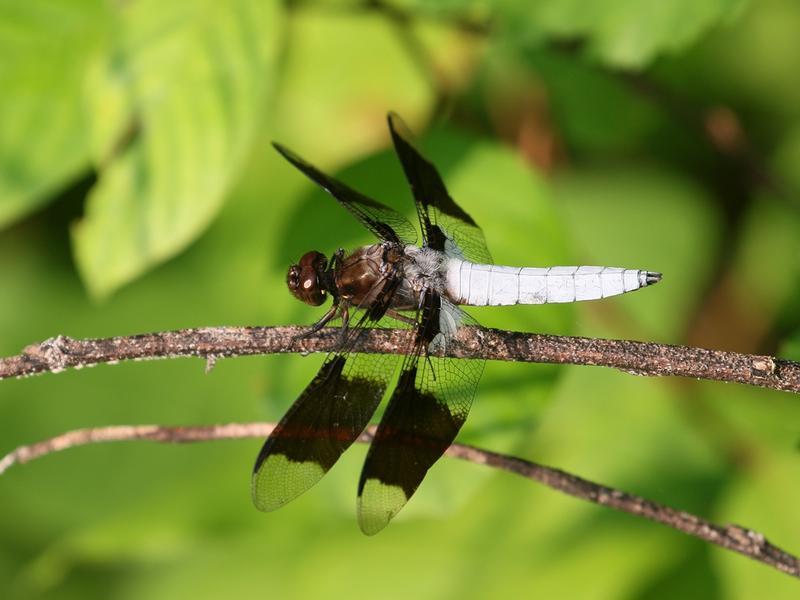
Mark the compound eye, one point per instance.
(293, 277)
(313, 259)
(303, 280)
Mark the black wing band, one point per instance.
(322, 423)
(325, 419)
(425, 413)
(440, 217)
(382, 221)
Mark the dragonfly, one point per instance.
(395, 283)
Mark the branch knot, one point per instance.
(52, 352)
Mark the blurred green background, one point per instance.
(139, 192)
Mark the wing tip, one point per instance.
(398, 129)
(277, 480)
(285, 152)
(378, 503)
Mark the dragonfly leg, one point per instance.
(345, 323)
(329, 314)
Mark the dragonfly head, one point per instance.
(306, 278)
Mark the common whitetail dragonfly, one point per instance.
(395, 283)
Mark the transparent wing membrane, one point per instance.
(326, 418)
(384, 222)
(442, 220)
(425, 413)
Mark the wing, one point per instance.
(440, 217)
(324, 421)
(382, 221)
(428, 407)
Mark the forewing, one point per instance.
(440, 217)
(382, 221)
(425, 413)
(324, 421)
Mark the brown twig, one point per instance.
(640, 358)
(733, 537)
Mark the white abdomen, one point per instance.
(494, 285)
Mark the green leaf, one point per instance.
(617, 119)
(175, 107)
(627, 33)
(786, 161)
(336, 102)
(45, 48)
(621, 33)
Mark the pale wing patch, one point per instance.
(373, 514)
(283, 481)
